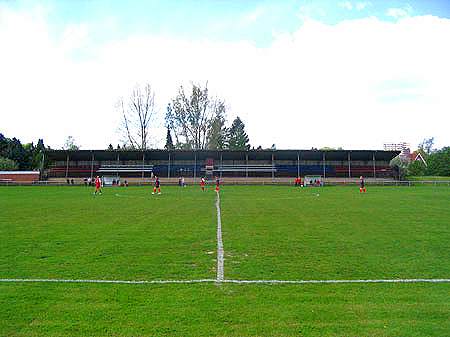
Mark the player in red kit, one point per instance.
(362, 187)
(217, 184)
(98, 185)
(202, 184)
(156, 186)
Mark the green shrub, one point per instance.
(7, 164)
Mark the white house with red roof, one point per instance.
(416, 155)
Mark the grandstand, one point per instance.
(268, 164)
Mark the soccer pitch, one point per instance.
(268, 233)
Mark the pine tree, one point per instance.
(3, 145)
(110, 147)
(38, 155)
(169, 141)
(237, 137)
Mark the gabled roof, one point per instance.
(416, 155)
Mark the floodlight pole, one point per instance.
(143, 163)
(349, 165)
(221, 164)
(118, 163)
(298, 164)
(42, 165)
(273, 168)
(323, 163)
(246, 164)
(374, 169)
(67, 165)
(168, 168)
(195, 165)
(92, 165)
(300, 157)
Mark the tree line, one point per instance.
(437, 161)
(194, 120)
(17, 156)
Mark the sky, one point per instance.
(300, 74)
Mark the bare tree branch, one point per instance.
(138, 117)
(190, 117)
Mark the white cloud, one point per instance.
(253, 16)
(362, 82)
(75, 36)
(399, 12)
(311, 10)
(359, 6)
(346, 4)
(362, 5)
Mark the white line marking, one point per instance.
(107, 281)
(413, 280)
(420, 280)
(219, 242)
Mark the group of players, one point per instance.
(157, 185)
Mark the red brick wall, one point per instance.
(20, 177)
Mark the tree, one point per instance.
(137, 117)
(70, 144)
(37, 154)
(26, 156)
(217, 133)
(16, 152)
(110, 147)
(3, 145)
(427, 145)
(416, 168)
(190, 117)
(439, 162)
(400, 166)
(28, 162)
(169, 142)
(237, 137)
(7, 164)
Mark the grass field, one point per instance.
(429, 178)
(269, 233)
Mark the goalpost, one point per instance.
(314, 180)
(110, 180)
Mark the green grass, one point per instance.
(271, 232)
(67, 232)
(389, 232)
(229, 310)
(428, 178)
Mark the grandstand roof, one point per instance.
(85, 155)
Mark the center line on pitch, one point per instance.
(220, 252)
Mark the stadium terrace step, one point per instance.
(125, 168)
(245, 168)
